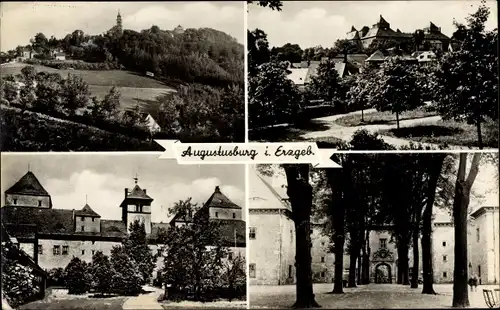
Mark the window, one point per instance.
(289, 271)
(56, 250)
(216, 214)
(322, 274)
(445, 258)
(445, 275)
(93, 252)
(322, 259)
(383, 243)
(251, 270)
(15, 201)
(234, 215)
(39, 203)
(83, 228)
(159, 252)
(251, 233)
(65, 249)
(93, 219)
(444, 243)
(479, 271)
(477, 234)
(40, 249)
(230, 255)
(83, 252)
(323, 243)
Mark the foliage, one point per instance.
(396, 87)
(467, 79)
(272, 4)
(77, 276)
(234, 277)
(258, 50)
(102, 273)
(29, 131)
(56, 277)
(106, 109)
(288, 52)
(126, 279)
(326, 83)
(273, 97)
(136, 246)
(193, 262)
(18, 281)
(75, 94)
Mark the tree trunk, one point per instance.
(434, 174)
(397, 120)
(300, 193)
(353, 257)
(460, 206)
(416, 229)
(403, 265)
(359, 269)
(479, 135)
(362, 116)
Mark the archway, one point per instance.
(383, 273)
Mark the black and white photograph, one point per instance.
(406, 71)
(403, 231)
(114, 76)
(121, 231)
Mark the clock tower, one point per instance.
(137, 206)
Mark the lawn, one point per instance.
(119, 78)
(111, 303)
(220, 304)
(382, 118)
(448, 132)
(286, 133)
(131, 96)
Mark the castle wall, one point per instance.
(87, 223)
(28, 201)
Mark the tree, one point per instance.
(107, 109)
(126, 279)
(76, 276)
(102, 273)
(234, 276)
(258, 50)
(136, 246)
(461, 201)
(358, 96)
(326, 83)
(9, 90)
(397, 88)
(74, 94)
(288, 52)
(472, 99)
(272, 4)
(273, 97)
(299, 191)
(40, 43)
(48, 96)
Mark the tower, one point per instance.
(119, 26)
(136, 205)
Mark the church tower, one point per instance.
(136, 205)
(119, 26)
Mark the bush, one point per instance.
(56, 277)
(77, 276)
(28, 131)
(126, 279)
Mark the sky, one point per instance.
(313, 23)
(22, 20)
(68, 178)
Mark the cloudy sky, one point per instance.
(103, 178)
(22, 20)
(312, 23)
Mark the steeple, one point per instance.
(119, 22)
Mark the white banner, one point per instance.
(248, 153)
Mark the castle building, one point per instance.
(53, 236)
(272, 243)
(382, 31)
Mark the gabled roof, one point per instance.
(138, 193)
(263, 195)
(28, 185)
(298, 76)
(87, 211)
(219, 200)
(376, 56)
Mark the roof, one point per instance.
(219, 200)
(376, 56)
(435, 36)
(138, 193)
(352, 35)
(263, 194)
(298, 76)
(313, 70)
(87, 211)
(28, 185)
(60, 54)
(481, 210)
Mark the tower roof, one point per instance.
(28, 185)
(219, 200)
(87, 211)
(353, 29)
(382, 21)
(138, 193)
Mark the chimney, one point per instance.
(217, 189)
(144, 191)
(126, 192)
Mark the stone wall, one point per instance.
(27, 201)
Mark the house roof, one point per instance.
(219, 200)
(138, 193)
(298, 76)
(376, 56)
(262, 193)
(87, 211)
(28, 185)
(481, 210)
(60, 54)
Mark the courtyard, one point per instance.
(371, 296)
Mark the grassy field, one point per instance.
(112, 303)
(448, 132)
(220, 304)
(381, 118)
(131, 96)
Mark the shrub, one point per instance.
(56, 277)
(102, 273)
(77, 276)
(126, 279)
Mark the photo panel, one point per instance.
(115, 76)
(336, 71)
(399, 230)
(126, 231)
